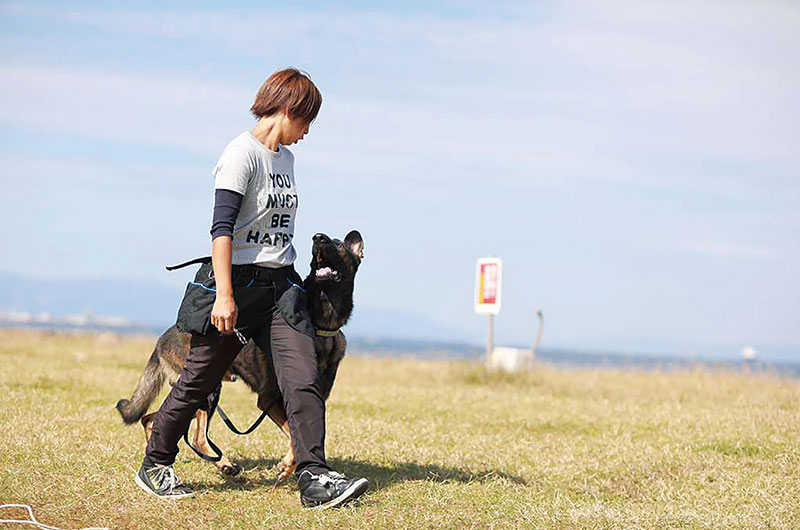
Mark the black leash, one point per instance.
(232, 427)
(213, 401)
(213, 405)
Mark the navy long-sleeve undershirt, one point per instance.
(227, 204)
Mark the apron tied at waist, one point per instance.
(290, 297)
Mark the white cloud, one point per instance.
(727, 249)
(126, 108)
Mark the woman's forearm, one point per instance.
(221, 262)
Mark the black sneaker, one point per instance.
(329, 489)
(162, 482)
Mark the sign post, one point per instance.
(488, 274)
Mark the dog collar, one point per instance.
(326, 333)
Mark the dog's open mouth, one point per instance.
(326, 273)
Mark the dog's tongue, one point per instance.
(325, 271)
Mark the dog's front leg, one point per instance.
(200, 442)
(287, 465)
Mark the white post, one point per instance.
(490, 338)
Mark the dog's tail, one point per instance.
(146, 391)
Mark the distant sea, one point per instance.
(568, 357)
(426, 349)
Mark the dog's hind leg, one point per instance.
(200, 442)
(147, 423)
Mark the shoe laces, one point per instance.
(330, 477)
(165, 475)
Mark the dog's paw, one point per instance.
(285, 473)
(231, 470)
(285, 468)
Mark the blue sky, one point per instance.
(634, 163)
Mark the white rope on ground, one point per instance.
(33, 520)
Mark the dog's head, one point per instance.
(334, 261)
(330, 283)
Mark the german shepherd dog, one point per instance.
(329, 287)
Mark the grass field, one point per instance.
(444, 445)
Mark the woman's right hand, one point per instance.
(224, 314)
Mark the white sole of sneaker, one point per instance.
(142, 485)
(353, 492)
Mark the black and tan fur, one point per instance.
(330, 300)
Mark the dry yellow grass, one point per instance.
(444, 445)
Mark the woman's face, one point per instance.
(294, 130)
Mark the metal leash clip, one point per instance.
(239, 335)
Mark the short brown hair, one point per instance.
(290, 90)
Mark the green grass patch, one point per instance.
(734, 448)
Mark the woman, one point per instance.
(234, 298)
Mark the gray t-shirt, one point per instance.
(264, 228)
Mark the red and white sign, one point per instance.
(487, 285)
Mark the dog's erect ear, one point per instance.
(355, 242)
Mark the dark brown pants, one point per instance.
(294, 361)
